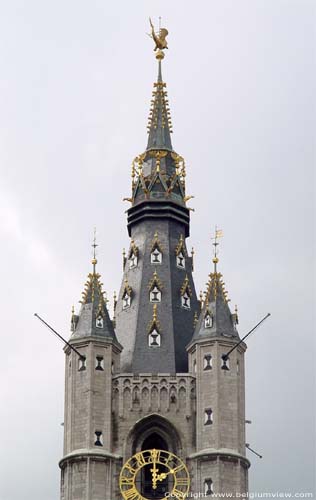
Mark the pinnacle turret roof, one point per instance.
(93, 319)
(216, 318)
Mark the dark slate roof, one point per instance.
(159, 125)
(216, 306)
(93, 308)
(176, 324)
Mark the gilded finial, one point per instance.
(133, 175)
(73, 322)
(155, 313)
(192, 258)
(195, 320)
(218, 234)
(124, 257)
(159, 39)
(94, 246)
(114, 309)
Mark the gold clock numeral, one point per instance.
(130, 468)
(140, 459)
(179, 468)
(132, 494)
(129, 481)
(182, 481)
(154, 454)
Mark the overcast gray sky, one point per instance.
(76, 81)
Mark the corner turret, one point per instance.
(93, 319)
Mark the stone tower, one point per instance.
(157, 376)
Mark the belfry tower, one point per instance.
(153, 405)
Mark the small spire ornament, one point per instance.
(159, 39)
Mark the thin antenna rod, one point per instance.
(253, 451)
(225, 356)
(59, 336)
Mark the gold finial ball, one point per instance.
(94, 261)
(215, 260)
(160, 55)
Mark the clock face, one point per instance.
(154, 474)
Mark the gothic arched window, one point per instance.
(181, 260)
(82, 363)
(207, 362)
(155, 286)
(180, 253)
(98, 438)
(208, 417)
(156, 251)
(99, 321)
(208, 320)
(126, 300)
(225, 362)
(126, 295)
(186, 294)
(133, 255)
(154, 338)
(185, 300)
(133, 261)
(156, 256)
(208, 487)
(155, 294)
(99, 363)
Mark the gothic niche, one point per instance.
(133, 255)
(156, 251)
(126, 295)
(208, 320)
(155, 287)
(186, 294)
(99, 320)
(180, 253)
(154, 336)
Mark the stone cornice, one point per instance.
(88, 453)
(221, 453)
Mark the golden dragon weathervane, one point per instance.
(159, 39)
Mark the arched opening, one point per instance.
(154, 441)
(153, 432)
(151, 425)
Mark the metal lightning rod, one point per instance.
(225, 356)
(253, 451)
(59, 336)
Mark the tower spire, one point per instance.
(159, 122)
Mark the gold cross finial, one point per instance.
(94, 246)
(218, 234)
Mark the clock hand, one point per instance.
(154, 472)
(163, 475)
